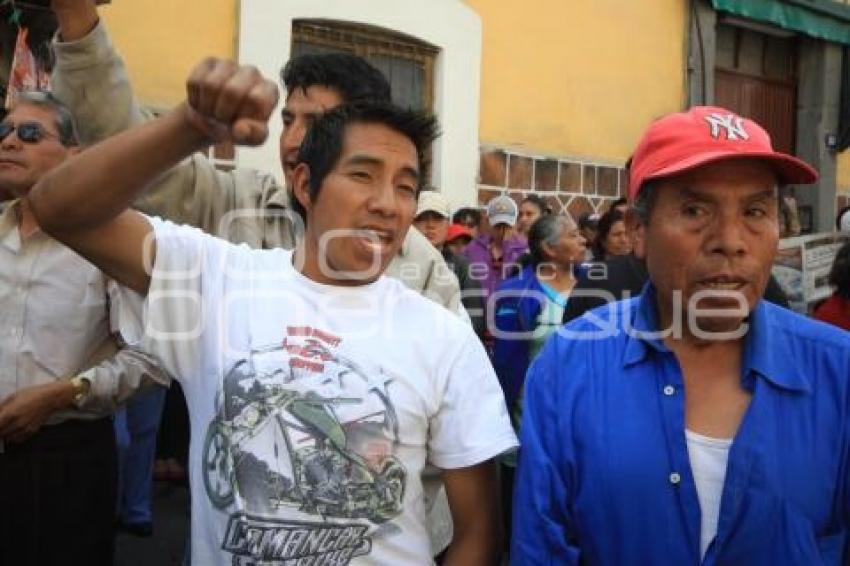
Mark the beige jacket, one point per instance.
(243, 205)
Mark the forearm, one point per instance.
(118, 378)
(92, 80)
(95, 186)
(479, 548)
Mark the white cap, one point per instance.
(432, 201)
(502, 210)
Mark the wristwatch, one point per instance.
(82, 386)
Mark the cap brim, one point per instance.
(437, 212)
(502, 219)
(789, 169)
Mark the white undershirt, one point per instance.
(708, 463)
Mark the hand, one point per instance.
(24, 412)
(230, 102)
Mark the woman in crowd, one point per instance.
(532, 303)
(836, 309)
(611, 236)
(531, 208)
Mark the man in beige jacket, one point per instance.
(242, 205)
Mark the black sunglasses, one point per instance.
(28, 132)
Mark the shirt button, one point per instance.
(675, 478)
(669, 390)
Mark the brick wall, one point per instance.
(567, 184)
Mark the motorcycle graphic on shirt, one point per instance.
(298, 426)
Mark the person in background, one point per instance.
(458, 237)
(493, 255)
(432, 219)
(587, 225)
(612, 238)
(531, 208)
(789, 217)
(621, 204)
(529, 308)
(842, 220)
(836, 309)
(469, 217)
(64, 363)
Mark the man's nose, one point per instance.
(728, 234)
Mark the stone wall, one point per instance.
(574, 185)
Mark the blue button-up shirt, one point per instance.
(604, 474)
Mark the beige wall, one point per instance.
(842, 177)
(162, 40)
(579, 77)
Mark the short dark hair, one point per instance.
(351, 76)
(619, 202)
(839, 275)
(467, 213)
(602, 229)
(323, 143)
(65, 123)
(539, 202)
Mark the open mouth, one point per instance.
(723, 283)
(378, 241)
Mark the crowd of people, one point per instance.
(372, 378)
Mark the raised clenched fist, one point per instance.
(227, 101)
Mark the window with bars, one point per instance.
(407, 63)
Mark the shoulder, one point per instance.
(417, 248)
(814, 334)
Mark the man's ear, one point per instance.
(636, 229)
(301, 185)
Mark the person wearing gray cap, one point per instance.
(492, 256)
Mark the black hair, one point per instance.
(351, 76)
(467, 213)
(619, 202)
(602, 229)
(839, 275)
(539, 202)
(546, 230)
(323, 143)
(65, 124)
(587, 220)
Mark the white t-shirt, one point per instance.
(708, 457)
(314, 409)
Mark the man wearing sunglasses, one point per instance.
(63, 364)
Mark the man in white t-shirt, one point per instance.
(318, 390)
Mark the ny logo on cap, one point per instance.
(734, 126)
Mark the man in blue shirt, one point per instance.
(694, 423)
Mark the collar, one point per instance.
(766, 346)
(10, 236)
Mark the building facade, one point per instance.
(544, 96)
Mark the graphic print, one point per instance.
(302, 431)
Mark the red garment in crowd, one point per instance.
(26, 72)
(836, 311)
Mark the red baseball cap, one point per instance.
(456, 231)
(707, 134)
